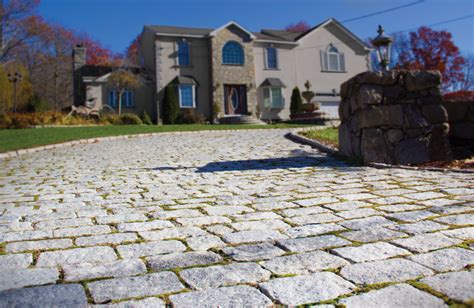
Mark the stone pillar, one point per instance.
(395, 118)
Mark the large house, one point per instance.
(246, 73)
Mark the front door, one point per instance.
(235, 99)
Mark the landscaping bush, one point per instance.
(296, 102)
(170, 106)
(146, 118)
(21, 120)
(27, 120)
(5, 121)
(37, 104)
(460, 95)
(191, 116)
(110, 119)
(130, 119)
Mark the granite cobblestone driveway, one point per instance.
(245, 218)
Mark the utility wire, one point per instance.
(438, 23)
(400, 31)
(384, 11)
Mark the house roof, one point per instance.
(232, 23)
(281, 34)
(181, 30)
(184, 80)
(340, 26)
(100, 74)
(273, 82)
(270, 35)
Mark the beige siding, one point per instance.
(143, 97)
(286, 73)
(303, 62)
(199, 67)
(308, 63)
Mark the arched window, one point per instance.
(332, 60)
(232, 53)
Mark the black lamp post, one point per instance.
(383, 43)
(14, 78)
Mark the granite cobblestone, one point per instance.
(230, 213)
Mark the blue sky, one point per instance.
(116, 22)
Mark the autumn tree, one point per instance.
(18, 25)
(300, 26)
(23, 88)
(467, 84)
(47, 57)
(96, 53)
(428, 49)
(132, 51)
(120, 81)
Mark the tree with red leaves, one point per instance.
(131, 53)
(15, 16)
(300, 26)
(428, 49)
(96, 53)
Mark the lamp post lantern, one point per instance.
(14, 78)
(383, 43)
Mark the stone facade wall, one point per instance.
(461, 123)
(395, 118)
(233, 74)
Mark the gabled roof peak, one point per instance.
(232, 23)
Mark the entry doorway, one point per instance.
(235, 99)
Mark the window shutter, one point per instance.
(342, 63)
(324, 60)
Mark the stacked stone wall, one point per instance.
(395, 118)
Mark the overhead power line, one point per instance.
(439, 23)
(384, 11)
(399, 31)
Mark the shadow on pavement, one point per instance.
(274, 163)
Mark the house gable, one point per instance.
(236, 29)
(340, 32)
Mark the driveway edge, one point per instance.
(11, 154)
(294, 136)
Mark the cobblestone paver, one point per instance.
(244, 218)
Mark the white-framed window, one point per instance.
(332, 60)
(127, 99)
(271, 58)
(187, 96)
(183, 53)
(273, 97)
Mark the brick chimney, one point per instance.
(78, 63)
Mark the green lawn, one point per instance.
(14, 139)
(327, 135)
